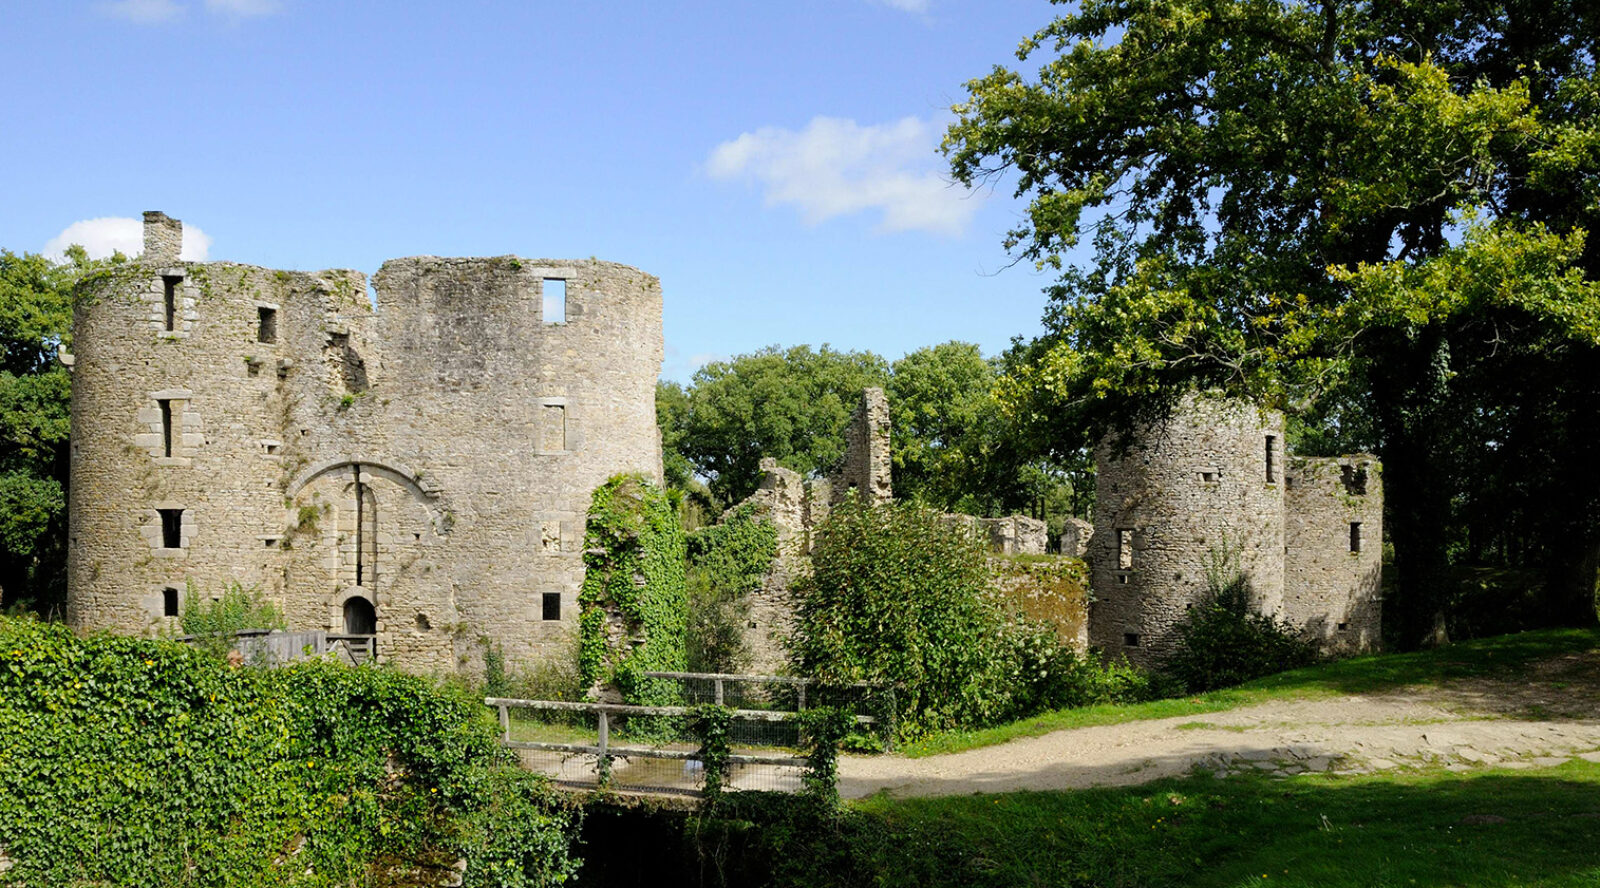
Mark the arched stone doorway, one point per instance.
(360, 617)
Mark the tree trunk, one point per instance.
(1410, 394)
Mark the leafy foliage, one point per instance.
(634, 554)
(713, 724)
(35, 320)
(214, 621)
(1356, 210)
(727, 562)
(145, 762)
(898, 596)
(789, 404)
(1225, 642)
(822, 730)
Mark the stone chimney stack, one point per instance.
(163, 238)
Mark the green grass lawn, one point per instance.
(1487, 657)
(1415, 828)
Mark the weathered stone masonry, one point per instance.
(421, 470)
(1215, 479)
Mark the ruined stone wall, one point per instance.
(867, 459)
(1334, 563)
(1075, 534)
(782, 499)
(1197, 485)
(434, 458)
(1015, 535)
(1052, 591)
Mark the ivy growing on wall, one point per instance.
(727, 562)
(634, 605)
(145, 762)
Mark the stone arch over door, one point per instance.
(360, 531)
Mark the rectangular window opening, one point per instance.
(1130, 639)
(169, 289)
(1355, 536)
(171, 528)
(1272, 459)
(166, 426)
(554, 292)
(266, 324)
(1344, 627)
(169, 602)
(1124, 548)
(552, 605)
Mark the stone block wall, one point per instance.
(868, 462)
(1075, 537)
(433, 461)
(1015, 535)
(1213, 485)
(1334, 562)
(1205, 483)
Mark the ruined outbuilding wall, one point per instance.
(434, 458)
(868, 462)
(1334, 563)
(1187, 490)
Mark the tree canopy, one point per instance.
(1372, 214)
(35, 321)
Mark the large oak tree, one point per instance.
(1372, 213)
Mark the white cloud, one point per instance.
(907, 5)
(106, 235)
(143, 10)
(836, 167)
(244, 8)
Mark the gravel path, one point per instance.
(1545, 718)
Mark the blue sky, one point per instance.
(773, 163)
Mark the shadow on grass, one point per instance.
(1429, 830)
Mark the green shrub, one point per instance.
(1224, 642)
(1058, 677)
(727, 562)
(634, 555)
(129, 761)
(896, 595)
(214, 622)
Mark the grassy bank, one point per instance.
(1504, 656)
(1416, 828)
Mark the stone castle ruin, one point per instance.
(415, 473)
(418, 472)
(1213, 491)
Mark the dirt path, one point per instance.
(1547, 717)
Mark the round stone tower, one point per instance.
(1201, 490)
(414, 476)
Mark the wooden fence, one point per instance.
(749, 768)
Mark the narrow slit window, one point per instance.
(1355, 536)
(171, 528)
(169, 290)
(1272, 459)
(266, 324)
(169, 602)
(551, 605)
(554, 291)
(166, 426)
(1125, 549)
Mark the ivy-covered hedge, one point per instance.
(142, 762)
(727, 562)
(897, 595)
(634, 605)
